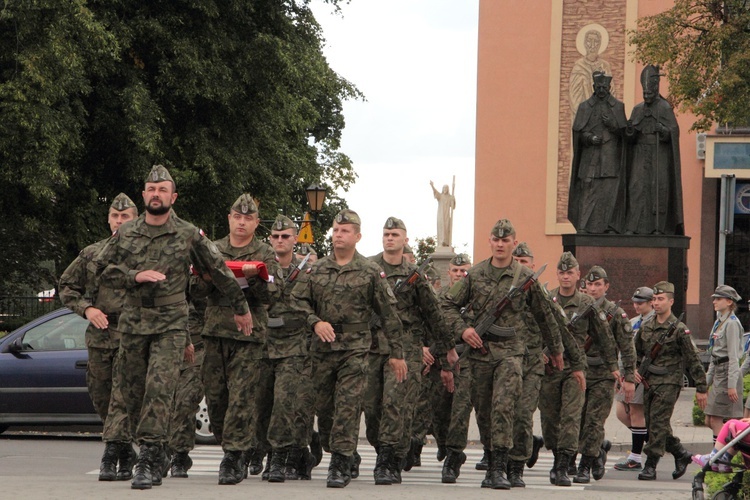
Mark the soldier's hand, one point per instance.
(452, 357)
(616, 374)
(446, 377)
(638, 378)
(732, 393)
(324, 331)
(556, 360)
(472, 338)
(97, 317)
(190, 354)
(149, 276)
(399, 368)
(701, 398)
(580, 378)
(427, 358)
(250, 271)
(244, 323)
(628, 390)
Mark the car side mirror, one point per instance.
(16, 347)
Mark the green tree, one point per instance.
(424, 247)
(703, 46)
(230, 95)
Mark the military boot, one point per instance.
(409, 459)
(682, 458)
(339, 471)
(394, 468)
(126, 457)
(484, 463)
(108, 466)
(295, 463)
(553, 470)
(306, 464)
(264, 475)
(583, 475)
(142, 478)
(418, 453)
(649, 469)
(277, 469)
(181, 463)
(536, 444)
(515, 473)
(452, 466)
(254, 459)
(498, 465)
(487, 481)
(231, 469)
(381, 473)
(442, 451)
(355, 461)
(561, 472)
(316, 449)
(160, 465)
(572, 469)
(599, 462)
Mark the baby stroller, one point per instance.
(730, 490)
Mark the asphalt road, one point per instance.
(57, 466)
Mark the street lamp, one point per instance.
(315, 196)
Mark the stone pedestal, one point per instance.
(632, 261)
(441, 260)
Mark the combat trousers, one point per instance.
(231, 374)
(425, 413)
(149, 370)
(385, 403)
(496, 386)
(339, 379)
(119, 425)
(460, 408)
(600, 393)
(533, 372)
(99, 378)
(560, 405)
(187, 397)
(658, 405)
(413, 385)
(288, 423)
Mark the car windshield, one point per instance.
(57, 334)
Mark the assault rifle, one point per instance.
(656, 350)
(399, 287)
(610, 314)
(293, 275)
(571, 328)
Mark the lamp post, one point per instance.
(315, 196)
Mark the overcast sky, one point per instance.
(415, 61)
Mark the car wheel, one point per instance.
(685, 380)
(203, 433)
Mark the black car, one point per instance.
(43, 376)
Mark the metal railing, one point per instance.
(16, 311)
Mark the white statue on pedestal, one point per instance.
(446, 205)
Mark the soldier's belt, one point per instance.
(166, 300)
(594, 360)
(290, 324)
(658, 370)
(497, 333)
(198, 346)
(720, 360)
(350, 327)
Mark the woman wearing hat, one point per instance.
(725, 347)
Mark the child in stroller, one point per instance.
(734, 437)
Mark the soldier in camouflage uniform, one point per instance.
(389, 405)
(496, 359)
(189, 392)
(343, 292)
(285, 373)
(664, 381)
(80, 292)
(601, 379)
(562, 395)
(233, 364)
(150, 258)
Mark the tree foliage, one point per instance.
(231, 95)
(424, 247)
(703, 46)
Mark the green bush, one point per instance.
(714, 481)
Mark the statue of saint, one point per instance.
(591, 41)
(446, 205)
(654, 203)
(597, 177)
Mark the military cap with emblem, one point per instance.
(522, 250)
(460, 260)
(726, 292)
(663, 287)
(245, 204)
(408, 249)
(394, 223)
(596, 273)
(283, 222)
(643, 294)
(305, 249)
(159, 174)
(567, 261)
(347, 216)
(503, 228)
(122, 202)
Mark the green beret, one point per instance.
(643, 294)
(567, 261)
(159, 174)
(522, 250)
(726, 292)
(245, 204)
(408, 249)
(394, 223)
(348, 216)
(460, 260)
(503, 228)
(305, 249)
(596, 273)
(663, 287)
(432, 274)
(122, 202)
(283, 222)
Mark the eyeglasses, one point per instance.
(282, 236)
